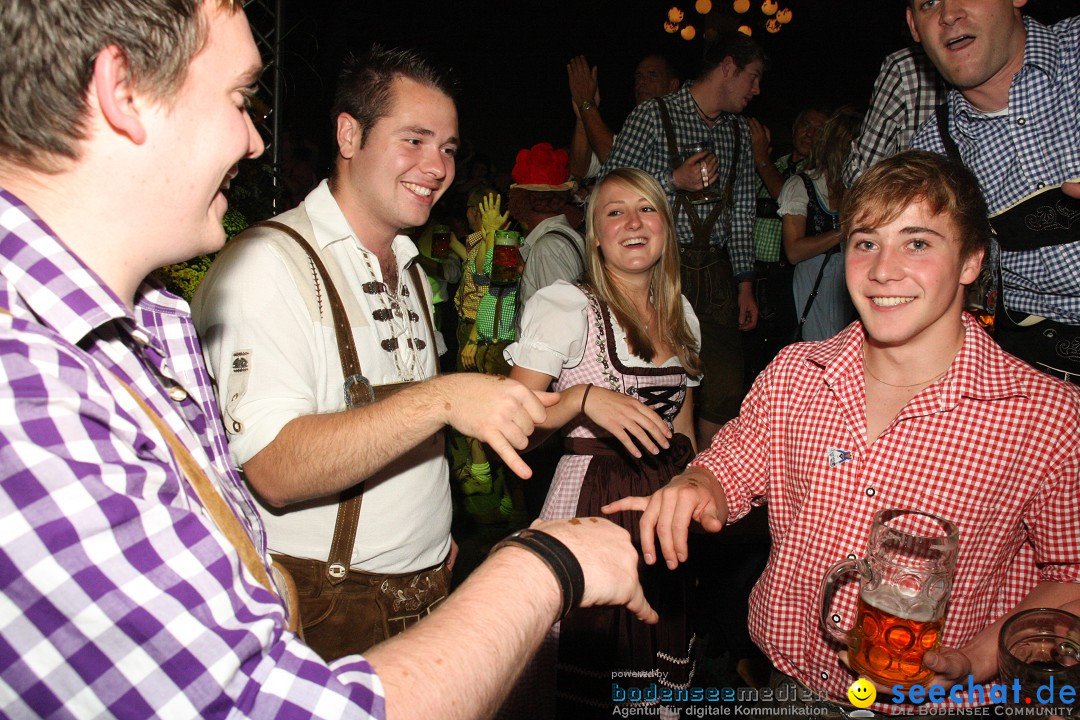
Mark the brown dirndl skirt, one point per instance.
(603, 647)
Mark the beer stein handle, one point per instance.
(828, 585)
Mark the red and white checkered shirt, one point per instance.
(993, 446)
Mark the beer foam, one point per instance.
(895, 601)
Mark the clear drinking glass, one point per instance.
(1040, 647)
(711, 192)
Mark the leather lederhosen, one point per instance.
(1043, 219)
(708, 282)
(707, 277)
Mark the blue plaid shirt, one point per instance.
(642, 143)
(120, 595)
(1034, 144)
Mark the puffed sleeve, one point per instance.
(553, 330)
(695, 330)
(793, 199)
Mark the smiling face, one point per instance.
(202, 132)
(390, 177)
(629, 229)
(976, 45)
(906, 278)
(862, 693)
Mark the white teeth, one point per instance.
(633, 241)
(890, 301)
(418, 189)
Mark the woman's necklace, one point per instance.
(866, 366)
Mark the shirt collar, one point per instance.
(1042, 52)
(979, 371)
(57, 286)
(330, 226)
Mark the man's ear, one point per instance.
(911, 25)
(348, 135)
(729, 67)
(672, 86)
(971, 267)
(116, 97)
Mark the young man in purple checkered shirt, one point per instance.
(121, 123)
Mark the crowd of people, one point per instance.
(244, 507)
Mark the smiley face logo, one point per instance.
(862, 693)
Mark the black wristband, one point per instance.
(562, 563)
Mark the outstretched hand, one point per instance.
(695, 495)
(627, 419)
(490, 218)
(583, 84)
(608, 561)
(496, 410)
(760, 139)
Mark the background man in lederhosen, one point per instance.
(696, 145)
(1013, 117)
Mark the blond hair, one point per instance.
(664, 285)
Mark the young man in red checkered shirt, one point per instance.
(913, 406)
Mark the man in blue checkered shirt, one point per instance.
(696, 145)
(1014, 119)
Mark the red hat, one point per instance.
(542, 167)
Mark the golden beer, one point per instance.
(889, 648)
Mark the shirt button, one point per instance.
(836, 618)
(1040, 186)
(851, 556)
(870, 492)
(824, 676)
(1020, 121)
(178, 393)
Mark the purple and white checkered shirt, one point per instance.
(118, 594)
(1034, 143)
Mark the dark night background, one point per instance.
(510, 57)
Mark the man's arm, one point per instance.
(291, 451)
(878, 136)
(766, 170)
(742, 229)
(591, 133)
(979, 657)
(325, 453)
(462, 660)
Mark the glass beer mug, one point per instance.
(1040, 647)
(905, 582)
(506, 264)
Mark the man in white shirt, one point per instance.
(366, 569)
